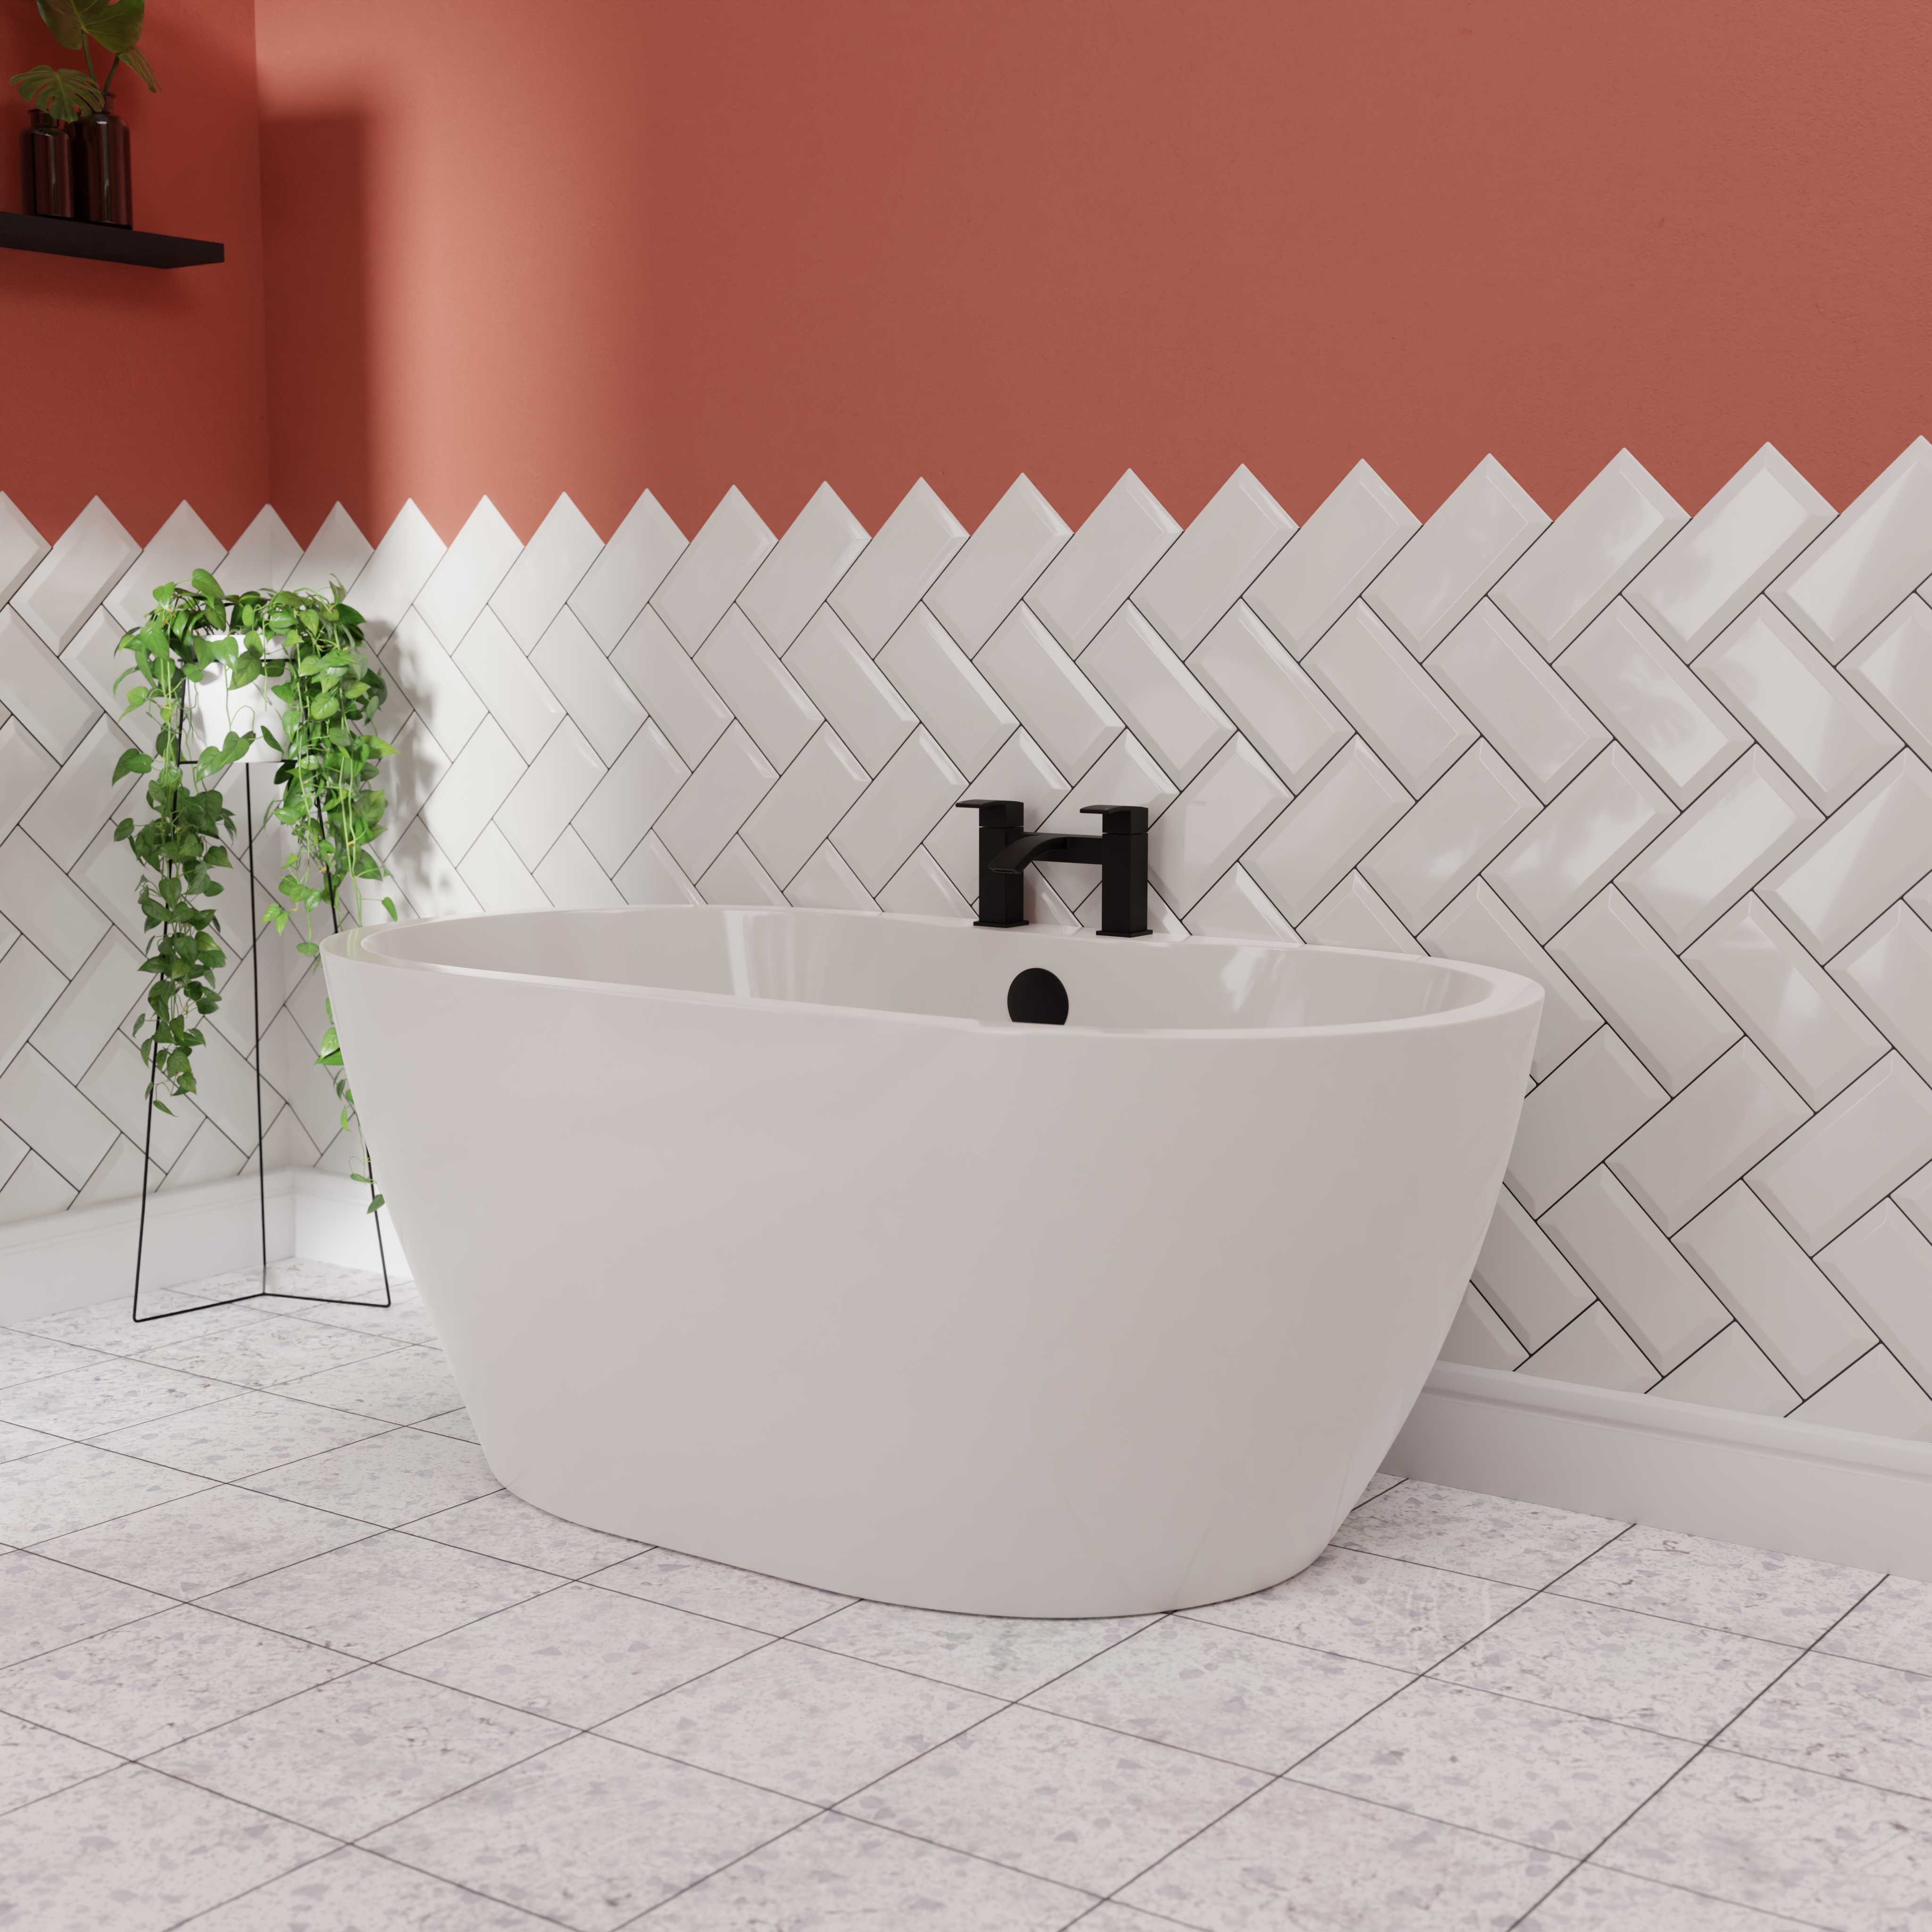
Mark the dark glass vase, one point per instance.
(47, 167)
(103, 191)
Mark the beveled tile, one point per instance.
(1003, 1657)
(1593, 1899)
(1061, 1800)
(1297, 1857)
(205, 1542)
(241, 1436)
(1821, 1850)
(381, 1594)
(1407, 1615)
(34, 1762)
(65, 1489)
(106, 1394)
(578, 1654)
(402, 1385)
(1514, 1770)
(766, 1603)
(351, 1755)
(390, 1479)
(352, 1890)
(145, 1685)
(136, 1852)
(1865, 1721)
(591, 1833)
(808, 1722)
(1482, 1536)
(504, 1525)
(267, 1350)
(1658, 1675)
(1790, 1600)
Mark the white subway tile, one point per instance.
(1213, 560)
(672, 689)
(1595, 1100)
(48, 907)
(90, 557)
(552, 565)
(952, 699)
(1656, 1295)
(181, 547)
(496, 668)
(1729, 1372)
(1388, 698)
(571, 877)
(1123, 774)
(472, 568)
(1276, 703)
(817, 790)
(628, 569)
(601, 704)
(826, 881)
(266, 554)
(1341, 550)
(72, 807)
(906, 799)
(107, 874)
(338, 553)
(764, 698)
(1883, 1265)
(21, 546)
(920, 886)
(1858, 861)
(429, 881)
(1876, 1134)
(1887, 970)
(1724, 1122)
(1892, 669)
(1161, 701)
(1769, 1283)
(500, 880)
(34, 1189)
(1235, 907)
(1099, 564)
(914, 545)
(1450, 835)
(858, 698)
(426, 675)
(1317, 840)
(1720, 848)
(1804, 1024)
(1800, 709)
(1478, 1337)
(651, 877)
(30, 983)
(1593, 1350)
(96, 660)
(977, 593)
(1020, 770)
(1622, 519)
(1212, 823)
(484, 774)
(388, 584)
(42, 693)
(717, 798)
(799, 575)
(1053, 697)
(1488, 522)
(52, 1115)
(711, 570)
(1875, 1396)
(737, 878)
(1915, 1196)
(1674, 1025)
(561, 778)
(1522, 1273)
(1865, 563)
(1354, 915)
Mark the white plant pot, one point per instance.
(217, 707)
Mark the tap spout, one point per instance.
(1066, 846)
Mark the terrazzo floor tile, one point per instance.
(300, 1274)
(1724, 1585)
(105, 1394)
(349, 1756)
(1375, 1486)
(501, 1524)
(15, 1442)
(837, 1871)
(1003, 1657)
(242, 1435)
(44, 1604)
(25, 1358)
(766, 1603)
(135, 1852)
(1652, 1671)
(381, 1595)
(352, 1890)
(1822, 1850)
(1593, 1899)
(390, 1479)
(265, 1351)
(1483, 1536)
(35, 1762)
(110, 1325)
(1513, 1770)
(66, 1489)
(1407, 1615)
(1223, 1693)
(1893, 1625)
(1301, 1858)
(1061, 1800)
(134, 1689)
(402, 1385)
(808, 1722)
(1866, 1721)
(1115, 1917)
(579, 1654)
(208, 1541)
(591, 1833)
(456, 1423)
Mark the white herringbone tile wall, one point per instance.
(1679, 768)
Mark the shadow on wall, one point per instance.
(314, 169)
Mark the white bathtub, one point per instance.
(766, 1235)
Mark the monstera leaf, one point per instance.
(115, 25)
(63, 92)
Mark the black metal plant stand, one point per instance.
(261, 1138)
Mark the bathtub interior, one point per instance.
(946, 969)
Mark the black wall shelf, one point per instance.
(100, 242)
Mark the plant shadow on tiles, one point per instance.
(206, 662)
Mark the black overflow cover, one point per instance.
(1037, 997)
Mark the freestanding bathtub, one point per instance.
(766, 1236)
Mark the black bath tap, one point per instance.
(1120, 853)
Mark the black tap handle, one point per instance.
(1116, 819)
(995, 814)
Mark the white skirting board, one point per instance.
(57, 1262)
(1832, 1494)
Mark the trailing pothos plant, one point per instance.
(306, 650)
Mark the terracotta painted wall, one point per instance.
(527, 248)
(140, 385)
